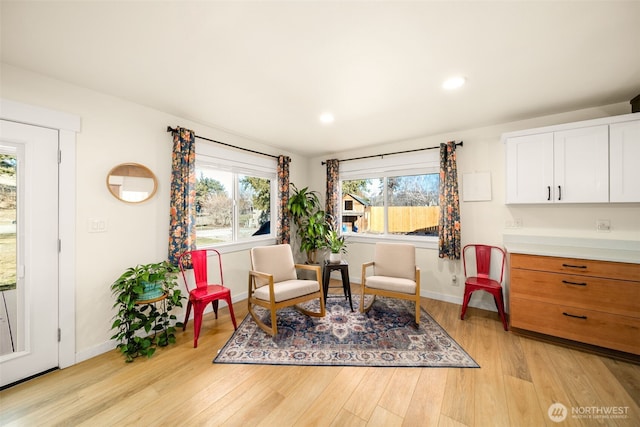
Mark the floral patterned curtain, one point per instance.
(449, 226)
(333, 191)
(283, 233)
(182, 227)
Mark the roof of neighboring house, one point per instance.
(357, 199)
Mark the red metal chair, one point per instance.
(204, 292)
(480, 273)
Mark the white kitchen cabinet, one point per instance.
(570, 166)
(624, 169)
(581, 165)
(594, 161)
(530, 168)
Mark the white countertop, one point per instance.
(595, 249)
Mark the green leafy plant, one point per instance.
(142, 327)
(311, 220)
(336, 242)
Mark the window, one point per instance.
(396, 196)
(235, 196)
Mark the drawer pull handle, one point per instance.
(575, 316)
(574, 266)
(566, 282)
(548, 192)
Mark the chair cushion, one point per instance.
(288, 289)
(395, 260)
(394, 284)
(276, 260)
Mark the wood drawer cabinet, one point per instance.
(593, 302)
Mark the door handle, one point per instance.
(559, 193)
(548, 192)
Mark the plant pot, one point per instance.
(151, 290)
(334, 258)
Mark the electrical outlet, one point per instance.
(454, 280)
(603, 225)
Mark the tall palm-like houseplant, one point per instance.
(310, 219)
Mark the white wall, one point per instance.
(484, 222)
(115, 131)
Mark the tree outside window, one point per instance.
(230, 207)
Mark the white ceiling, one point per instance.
(267, 70)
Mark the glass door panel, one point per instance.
(8, 249)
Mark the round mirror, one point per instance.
(132, 183)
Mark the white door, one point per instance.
(32, 303)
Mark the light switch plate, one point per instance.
(97, 225)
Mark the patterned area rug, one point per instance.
(386, 336)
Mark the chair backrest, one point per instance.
(484, 261)
(276, 260)
(199, 263)
(395, 260)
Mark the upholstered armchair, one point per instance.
(273, 284)
(394, 274)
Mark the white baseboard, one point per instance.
(94, 351)
(107, 346)
(111, 345)
(454, 299)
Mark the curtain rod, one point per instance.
(170, 129)
(395, 152)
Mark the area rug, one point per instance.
(386, 336)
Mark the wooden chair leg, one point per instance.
(274, 322)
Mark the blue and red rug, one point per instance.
(386, 336)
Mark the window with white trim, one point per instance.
(235, 196)
(392, 196)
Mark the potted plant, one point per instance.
(145, 295)
(336, 245)
(310, 219)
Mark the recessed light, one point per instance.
(453, 83)
(326, 118)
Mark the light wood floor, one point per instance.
(518, 380)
